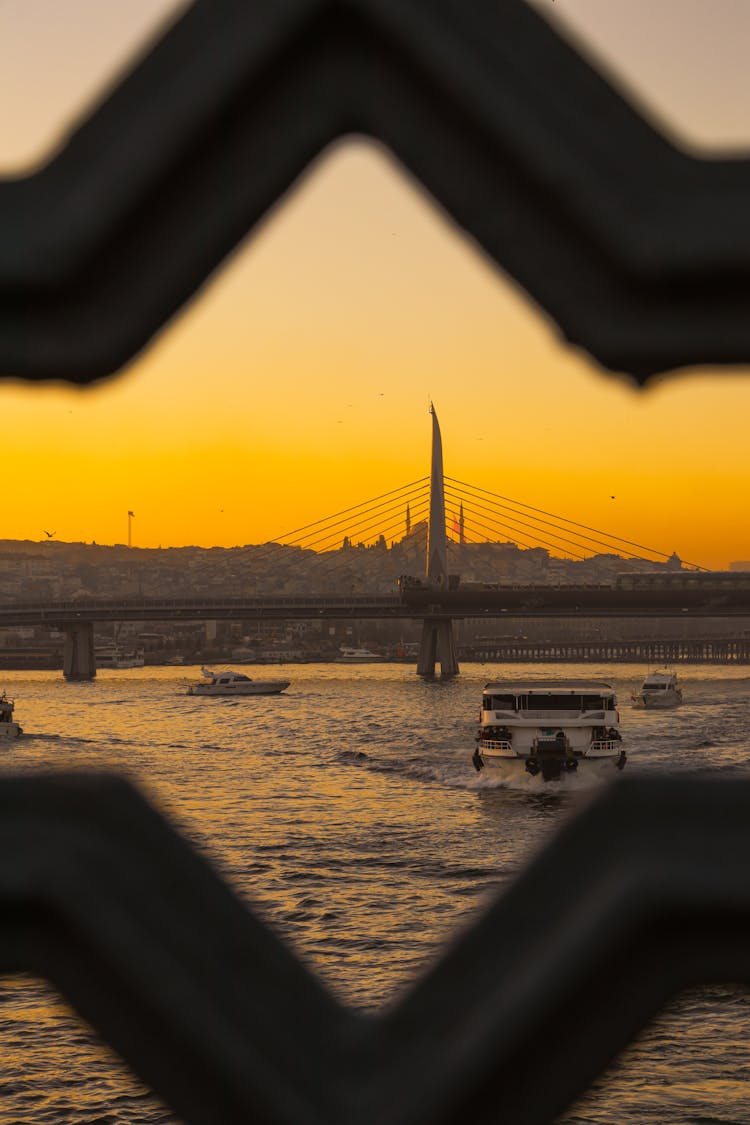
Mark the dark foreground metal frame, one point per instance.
(638, 251)
(644, 894)
(641, 254)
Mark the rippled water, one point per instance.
(347, 812)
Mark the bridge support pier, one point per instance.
(438, 646)
(78, 651)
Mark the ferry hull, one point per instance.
(517, 768)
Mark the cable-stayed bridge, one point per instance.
(473, 517)
(454, 520)
(431, 527)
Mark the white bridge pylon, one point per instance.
(437, 644)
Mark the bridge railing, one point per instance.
(81, 605)
(644, 894)
(575, 196)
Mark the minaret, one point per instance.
(408, 520)
(437, 547)
(461, 538)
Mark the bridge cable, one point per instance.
(361, 527)
(316, 523)
(577, 540)
(564, 519)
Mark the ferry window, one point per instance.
(553, 702)
(594, 703)
(503, 702)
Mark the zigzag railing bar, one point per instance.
(101, 897)
(574, 133)
(178, 215)
(645, 893)
(641, 253)
(630, 318)
(134, 140)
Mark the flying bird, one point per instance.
(49, 534)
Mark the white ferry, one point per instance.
(113, 657)
(235, 683)
(659, 689)
(549, 728)
(8, 727)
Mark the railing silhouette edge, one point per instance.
(645, 892)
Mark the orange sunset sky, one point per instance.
(297, 383)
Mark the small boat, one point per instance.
(358, 656)
(549, 728)
(113, 657)
(8, 727)
(659, 689)
(235, 683)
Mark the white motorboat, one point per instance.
(549, 728)
(348, 655)
(659, 689)
(8, 727)
(235, 683)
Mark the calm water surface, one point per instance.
(348, 814)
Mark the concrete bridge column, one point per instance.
(438, 646)
(78, 651)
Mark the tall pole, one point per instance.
(130, 522)
(437, 546)
(437, 645)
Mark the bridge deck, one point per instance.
(420, 603)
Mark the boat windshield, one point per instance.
(656, 687)
(499, 702)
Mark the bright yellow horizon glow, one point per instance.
(297, 384)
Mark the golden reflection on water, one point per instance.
(348, 815)
(55, 1069)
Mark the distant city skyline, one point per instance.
(298, 381)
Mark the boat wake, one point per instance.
(525, 783)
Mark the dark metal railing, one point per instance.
(641, 254)
(639, 251)
(646, 893)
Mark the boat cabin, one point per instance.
(660, 681)
(549, 700)
(231, 678)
